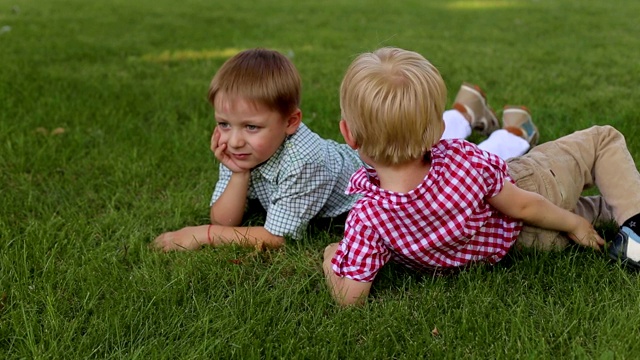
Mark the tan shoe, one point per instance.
(472, 102)
(517, 120)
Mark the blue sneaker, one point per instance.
(518, 119)
(626, 248)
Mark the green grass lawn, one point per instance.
(104, 144)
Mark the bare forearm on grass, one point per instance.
(194, 237)
(251, 236)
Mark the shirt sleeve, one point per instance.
(224, 175)
(361, 253)
(493, 171)
(299, 197)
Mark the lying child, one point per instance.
(435, 204)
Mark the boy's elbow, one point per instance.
(273, 241)
(345, 292)
(277, 242)
(224, 218)
(329, 252)
(216, 220)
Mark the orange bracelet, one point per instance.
(209, 234)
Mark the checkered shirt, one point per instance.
(305, 178)
(444, 222)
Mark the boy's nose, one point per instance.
(236, 140)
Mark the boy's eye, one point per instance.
(223, 125)
(252, 127)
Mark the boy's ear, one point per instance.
(346, 134)
(293, 122)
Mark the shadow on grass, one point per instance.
(306, 252)
(320, 231)
(576, 262)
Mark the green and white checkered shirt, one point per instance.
(305, 178)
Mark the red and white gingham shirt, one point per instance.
(445, 222)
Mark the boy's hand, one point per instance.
(219, 150)
(585, 235)
(188, 238)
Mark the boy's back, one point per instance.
(435, 203)
(443, 222)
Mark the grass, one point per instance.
(126, 82)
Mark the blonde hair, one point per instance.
(260, 75)
(393, 100)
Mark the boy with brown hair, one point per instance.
(434, 204)
(266, 153)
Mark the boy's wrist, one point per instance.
(209, 237)
(244, 175)
(575, 221)
(212, 234)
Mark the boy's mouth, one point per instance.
(240, 156)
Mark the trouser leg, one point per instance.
(560, 170)
(594, 209)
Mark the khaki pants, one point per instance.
(560, 170)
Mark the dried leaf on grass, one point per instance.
(56, 131)
(435, 332)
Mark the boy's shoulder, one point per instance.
(458, 156)
(459, 150)
(448, 145)
(303, 141)
(305, 147)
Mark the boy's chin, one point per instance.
(253, 165)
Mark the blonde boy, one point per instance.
(266, 153)
(435, 204)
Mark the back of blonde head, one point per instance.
(392, 100)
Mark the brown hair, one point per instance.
(264, 76)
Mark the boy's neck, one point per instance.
(404, 177)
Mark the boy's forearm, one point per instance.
(344, 291)
(576, 227)
(544, 214)
(193, 237)
(534, 209)
(254, 236)
(229, 209)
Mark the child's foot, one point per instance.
(625, 247)
(517, 120)
(472, 103)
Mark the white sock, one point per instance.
(456, 125)
(505, 144)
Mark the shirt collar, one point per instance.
(269, 169)
(366, 182)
